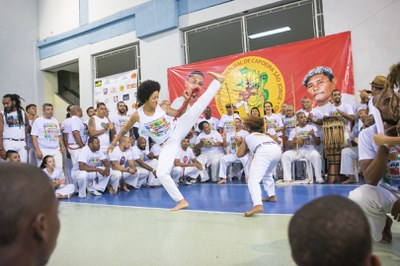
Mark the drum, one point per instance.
(334, 141)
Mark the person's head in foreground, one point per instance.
(331, 231)
(29, 223)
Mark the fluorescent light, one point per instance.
(269, 32)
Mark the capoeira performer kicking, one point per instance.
(266, 155)
(158, 125)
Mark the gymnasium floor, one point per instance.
(136, 228)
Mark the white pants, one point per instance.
(190, 171)
(130, 179)
(346, 161)
(170, 148)
(310, 155)
(58, 158)
(74, 152)
(211, 159)
(18, 146)
(93, 181)
(228, 159)
(32, 156)
(375, 201)
(67, 190)
(264, 161)
(151, 179)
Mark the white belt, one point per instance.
(264, 144)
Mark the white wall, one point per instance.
(18, 53)
(99, 9)
(373, 36)
(56, 17)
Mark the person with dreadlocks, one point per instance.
(381, 164)
(14, 125)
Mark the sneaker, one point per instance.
(193, 181)
(188, 183)
(96, 193)
(320, 180)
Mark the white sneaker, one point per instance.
(96, 193)
(320, 180)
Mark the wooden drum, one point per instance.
(333, 138)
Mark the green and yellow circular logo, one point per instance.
(249, 82)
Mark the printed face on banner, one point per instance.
(251, 81)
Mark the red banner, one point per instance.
(265, 75)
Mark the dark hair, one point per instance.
(392, 81)
(87, 110)
(272, 106)
(201, 125)
(196, 72)
(29, 106)
(44, 161)
(146, 89)
(10, 152)
(255, 108)
(344, 233)
(91, 139)
(21, 115)
(46, 105)
(255, 123)
(335, 90)
(100, 104)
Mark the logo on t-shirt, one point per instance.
(50, 132)
(122, 160)
(158, 127)
(13, 121)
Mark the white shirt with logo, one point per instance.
(47, 131)
(303, 132)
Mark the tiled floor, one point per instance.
(136, 228)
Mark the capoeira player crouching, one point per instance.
(158, 125)
(266, 155)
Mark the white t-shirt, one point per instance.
(122, 157)
(138, 154)
(157, 126)
(315, 112)
(289, 123)
(212, 121)
(274, 121)
(76, 124)
(226, 122)
(92, 159)
(231, 139)
(13, 129)
(101, 124)
(367, 150)
(345, 108)
(57, 173)
(185, 156)
(48, 133)
(254, 139)
(155, 149)
(119, 122)
(213, 137)
(302, 132)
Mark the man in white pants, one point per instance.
(146, 168)
(210, 144)
(122, 164)
(186, 164)
(76, 133)
(349, 154)
(306, 137)
(46, 136)
(91, 175)
(14, 125)
(230, 143)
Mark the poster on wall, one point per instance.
(281, 74)
(112, 89)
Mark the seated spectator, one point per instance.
(340, 238)
(146, 167)
(13, 156)
(305, 137)
(93, 170)
(210, 144)
(29, 225)
(187, 165)
(62, 190)
(122, 164)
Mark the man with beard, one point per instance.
(121, 118)
(14, 125)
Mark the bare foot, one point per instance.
(216, 76)
(350, 180)
(111, 190)
(255, 209)
(182, 204)
(270, 199)
(124, 187)
(222, 181)
(387, 233)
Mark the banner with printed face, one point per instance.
(113, 89)
(274, 74)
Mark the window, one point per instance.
(302, 20)
(117, 61)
